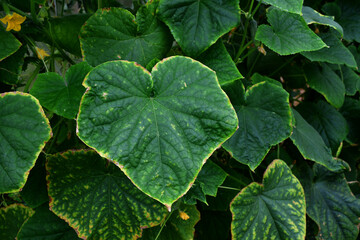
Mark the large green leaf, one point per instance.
(259, 116)
(288, 33)
(293, 6)
(330, 203)
(311, 145)
(24, 129)
(10, 67)
(311, 16)
(207, 182)
(11, 220)
(331, 125)
(180, 225)
(196, 25)
(218, 59)
(44, 224)
(62, 95)
(351, 80)
(337, 53)
(97, 199)
(324, 80)
(114, 33)
(8, 44)
(272, 210)
(159, 128)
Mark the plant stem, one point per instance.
(230, 188)
(32, 77)
(282, 66)
(99, 4)
(163, 225)
(5, 7)
(253, 65)
(245, 32)
(278, 151)
(19, 11)
(33, 11)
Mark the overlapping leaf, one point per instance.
(159, 128)
(97, 199)
(351, 80)
(114, 34)
(24, 129)
(264, 121)
(293, 6)
(257, 78)
(288, 33)
(196, 25)
(10, 67)
(61, 95)
(272, 210)
(8, 44)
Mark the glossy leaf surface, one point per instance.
(105, 204)
(274, 209)
(24, 129)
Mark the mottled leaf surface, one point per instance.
(45, 225)
(159, 128)
(196, 25)
(207, 182)
(114, 34)
(311, 16)
(311, 145)
(288, 33)
(330, 203)
(274, 209)
(293, 6)
(331, 125)
(11, 220)
(264, 121)
(218, 59)
(61, 95)
(24, 129)
(8, 44)
(336, 53)
(180, 226)
(97, 199)
(324, 80)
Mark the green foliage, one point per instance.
(166, 119)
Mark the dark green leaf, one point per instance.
(218, 59)
(324, 80)
(259, 116)
(8, 44)
(10, 68)
(97, 199)
(159, 128)
(24, 129)
(311, 145)
(45, 225)
(331, 125)
(351, 111)
(351, 80)
(11, 220)
(288, 33)
(113, 34)
(272, 210)
(213, 225)
(257, 78)
(196, 25)
(62, 95)
(293, 6)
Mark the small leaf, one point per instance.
(218, 59)
(292, 6)
(311, 16)
(288, 33)
(97, 199)
(114, 34)
(259, 116)
(196, 25)
(159, 128)
(44, 224)
(272, 210)
(8, 44)
(312, 146)
(330, 203)
(207, 182)
(324, 80)
(62, 95)
(11, 220)
(24, 129)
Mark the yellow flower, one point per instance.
(183, 215)
(41, 53)
(13, 21)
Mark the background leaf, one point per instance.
(8, 44)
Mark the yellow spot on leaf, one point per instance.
(13, 21)
(41, 53)
(183, 215)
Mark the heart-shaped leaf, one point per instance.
(288, 33)
(272, 210)
(196, 25)
(114, 34)
(259, 114)
(24, 129)
(8, 44)
(97, 199)
(159, 128)
(62, 95)
(293, 6)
